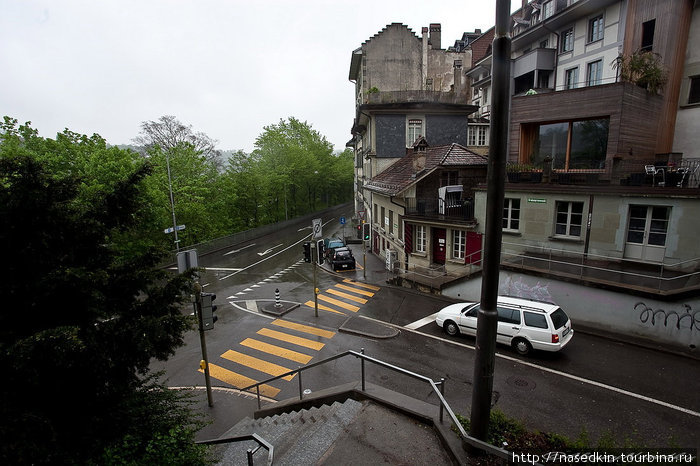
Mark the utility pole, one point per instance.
(487, 320)
(204, 364)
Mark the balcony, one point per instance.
(538, 59)
(435, 209)
(421, 96)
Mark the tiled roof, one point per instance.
(415, 165)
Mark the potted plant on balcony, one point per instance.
(519, 172)
(643, 69)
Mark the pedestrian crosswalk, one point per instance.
(274, 350)
(344, 296)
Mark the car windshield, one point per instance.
(559, 318)
(343, 254)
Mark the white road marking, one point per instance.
(269, 250)
(554, 371)
(222, 269)
(237, 250)
(419, 323)
(252, 305)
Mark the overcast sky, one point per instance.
(226, 67)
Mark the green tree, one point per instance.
(81, 320)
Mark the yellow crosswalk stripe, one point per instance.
(238, 380)
(335, 302)
(354, 290)
(347, 296)
(305, 342)
(303, 328)
(322, 307)
(277, 351)
(257, 364)
(363, 285)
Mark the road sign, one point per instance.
(317, 228)
(361, 213)
(342, 220)
(171, 229)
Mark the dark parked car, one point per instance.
(342, 259)
(330, 244)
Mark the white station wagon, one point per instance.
(523, 324)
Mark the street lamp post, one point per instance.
(172, 200)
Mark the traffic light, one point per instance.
(319, 248)
(359, 231)
(307, 251)
(365, 231)
(208, 310)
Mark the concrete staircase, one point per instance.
(299, 437)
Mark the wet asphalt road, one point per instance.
(595, 385)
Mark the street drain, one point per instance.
(519, 382)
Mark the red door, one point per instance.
(473, 253)
(439, 245)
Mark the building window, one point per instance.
(571, 78)
(391, 222)
(420, 238)
(414, 131)
(478, 135)
(511, 214)
(585, 149)
(567, 40)
(694, 93)
(547, 9)
(595, 29)
(569, 219)
(648, 35)
(459, 243)
(382, 219)
(449, 178)
(376, 215)
(594, 75)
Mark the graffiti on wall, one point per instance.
(646, 314)
(520, 289)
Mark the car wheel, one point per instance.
(451, 328)
(522, 346)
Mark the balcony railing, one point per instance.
(670, 171)
(437, 209)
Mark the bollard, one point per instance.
(277, 298)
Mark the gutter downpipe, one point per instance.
(487, 319)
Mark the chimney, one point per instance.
(457, 77)
(435, 38)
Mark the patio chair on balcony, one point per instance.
(654, 171)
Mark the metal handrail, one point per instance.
(474, 442)
(262, 443)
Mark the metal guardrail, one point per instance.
(439, 392)
(558, 257)
(262, 443)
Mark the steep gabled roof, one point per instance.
(416, 165)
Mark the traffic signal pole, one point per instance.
(204, 364)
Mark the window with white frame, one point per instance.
(478, 135)
(567, 40)
(420, 238)
(459, 244)
(594, 73)
(694, 90)
(571, 78)
(413, 131)
(595, 29)
(569, 219)
(511, 214)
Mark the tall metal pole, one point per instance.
(498, 147)
(314, 261)
(202, 340)
(172, 200)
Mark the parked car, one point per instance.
(330, 244)
(342, 259)
(523, 324)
